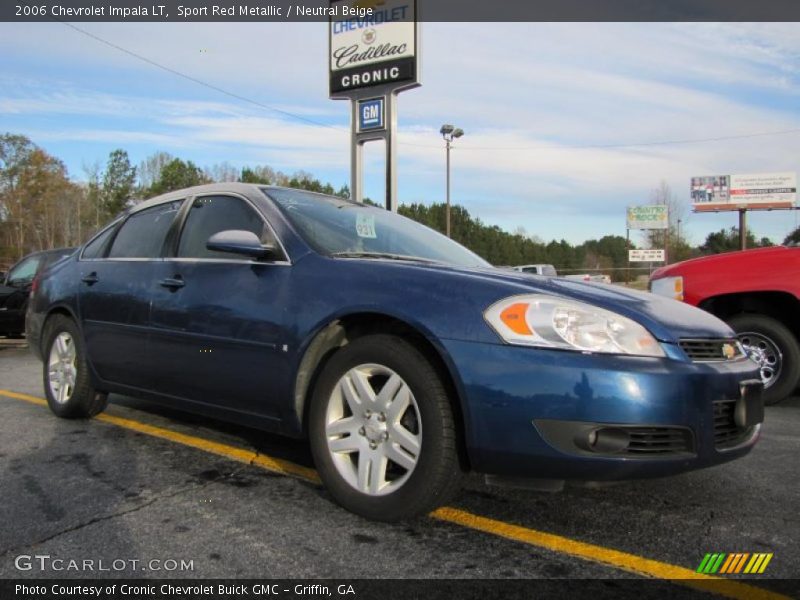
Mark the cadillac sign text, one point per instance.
(377, 49)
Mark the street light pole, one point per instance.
(447, 213)
(449, 133)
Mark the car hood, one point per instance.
(668, 320)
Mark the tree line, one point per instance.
(42, 207)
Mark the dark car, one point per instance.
(16, 287)
(403, 357)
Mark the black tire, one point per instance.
(754, 328)
(83, 401)
(435, 477)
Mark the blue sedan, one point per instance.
(403, 357)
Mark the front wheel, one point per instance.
(382, 431)
(66, 373)
(774, 348)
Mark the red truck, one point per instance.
(757, 292)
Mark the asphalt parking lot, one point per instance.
(145, 483)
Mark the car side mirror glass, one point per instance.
(237, 241)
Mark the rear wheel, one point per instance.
(382, 430)
(774, 348)
(66, 374)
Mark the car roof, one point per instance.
(47, 253)
(252, 190)
(246, 189)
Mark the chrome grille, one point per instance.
(712, 350)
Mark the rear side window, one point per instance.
(97, 247)
(212, 214)
(142, 234)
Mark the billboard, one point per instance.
(708, 190)
(646, 255)
(372, 43)
(653, 216)
(753, 190)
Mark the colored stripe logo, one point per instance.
(734, 563)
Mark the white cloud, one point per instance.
(525, 94)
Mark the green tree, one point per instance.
(609, 253)
(176, 175)
(305, 182)
(727, 240)
(792, 238)
(263, 175)
(118, 183)
(344, 192)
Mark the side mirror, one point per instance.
(241, 242)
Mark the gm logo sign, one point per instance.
(371, 114)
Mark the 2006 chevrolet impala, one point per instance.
(403, 357)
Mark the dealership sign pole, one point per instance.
(373, 54)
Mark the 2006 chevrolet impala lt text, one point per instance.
(403, 357)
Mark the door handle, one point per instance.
(173, 283)
(90, 279)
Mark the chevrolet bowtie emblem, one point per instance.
(728, 351)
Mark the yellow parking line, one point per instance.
(26, 397)
(238, 454)
(605, 556)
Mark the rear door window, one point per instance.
(142, 234)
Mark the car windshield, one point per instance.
(341, 228)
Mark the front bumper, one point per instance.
(529, 412)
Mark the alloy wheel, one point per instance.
(62, 370)
(373, 429)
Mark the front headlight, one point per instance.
(552, 322)
(671, 287)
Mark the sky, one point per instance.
(563, 122)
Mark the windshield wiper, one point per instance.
(386, 255)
